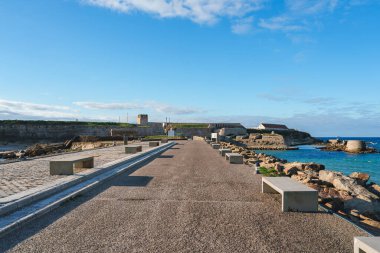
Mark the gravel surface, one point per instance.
(189, 199)
(20, 176)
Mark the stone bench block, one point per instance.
(367, 244)
(66, 166)
(215, 146)
(154, 143)
(132, 149)
(224, 151)
(234, 158)
(295, 195)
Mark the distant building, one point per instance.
(142, 119)
(272, 127)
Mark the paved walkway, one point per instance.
(187, 200)
(21, 176)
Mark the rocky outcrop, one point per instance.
(350, 196)
(291, 137)
(350, 146)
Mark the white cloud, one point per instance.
(281, 23)
(155, 106)
(108, 106)
(199, 11)
(243, 25)
(17, 108)
(311, 6)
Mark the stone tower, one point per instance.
(142, 119)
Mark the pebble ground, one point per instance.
(20, 176)
(189, 199)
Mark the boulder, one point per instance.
(290, 170)
(370, 208)
(375, 189)
(314, 167)
(329, 176)
(279, 167)
(8, 154)
(361, 178)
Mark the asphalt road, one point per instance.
(189, 199)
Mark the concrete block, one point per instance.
(234, 158)
(164, 141)
(215, 146)
(295, 195)
(154, 143)
(224, 151)
(367, 244)
(66, 166)
(132, 149)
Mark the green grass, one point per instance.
(159, 137)
(189, 125)
(48, 122)
(270, 172)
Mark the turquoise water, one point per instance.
(338, 161)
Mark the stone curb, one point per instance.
(23, 201)
(41, 211)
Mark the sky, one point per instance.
(311, 64)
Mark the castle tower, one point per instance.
(142, 119)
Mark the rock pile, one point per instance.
(351, 196)
(351, 146)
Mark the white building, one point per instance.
(272, 127)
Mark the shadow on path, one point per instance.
(35, 226)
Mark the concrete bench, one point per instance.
(295, 195)
(224, 151)
(366, 244)
(234, 158)
(215, 146)
(66, 166)
(154, 143)
(164, 141)
(132, 149)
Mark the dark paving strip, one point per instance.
(187, 200)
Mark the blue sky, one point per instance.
(314, 65)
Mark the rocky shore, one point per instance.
(350, 146)
(353, 196)
(76, 144)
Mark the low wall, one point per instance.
(190, 132)
(56, 132)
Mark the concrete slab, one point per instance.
(366, 244)
(133, 149)
(154, 143)
(234, 158)
(224, 151)
(295, 196)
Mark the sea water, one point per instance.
(337, 161)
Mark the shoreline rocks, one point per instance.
(350, 146)
(351, 196)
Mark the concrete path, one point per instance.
(189, 199)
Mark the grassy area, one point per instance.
(48, 122)
(270, 172)
(189, 125)
(159, 137)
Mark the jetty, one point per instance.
(185, 198)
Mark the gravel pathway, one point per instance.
(187, 200)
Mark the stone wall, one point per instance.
(189, 132)
(61, 132)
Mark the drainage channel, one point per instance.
(20, 217)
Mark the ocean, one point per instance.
(337, 161)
